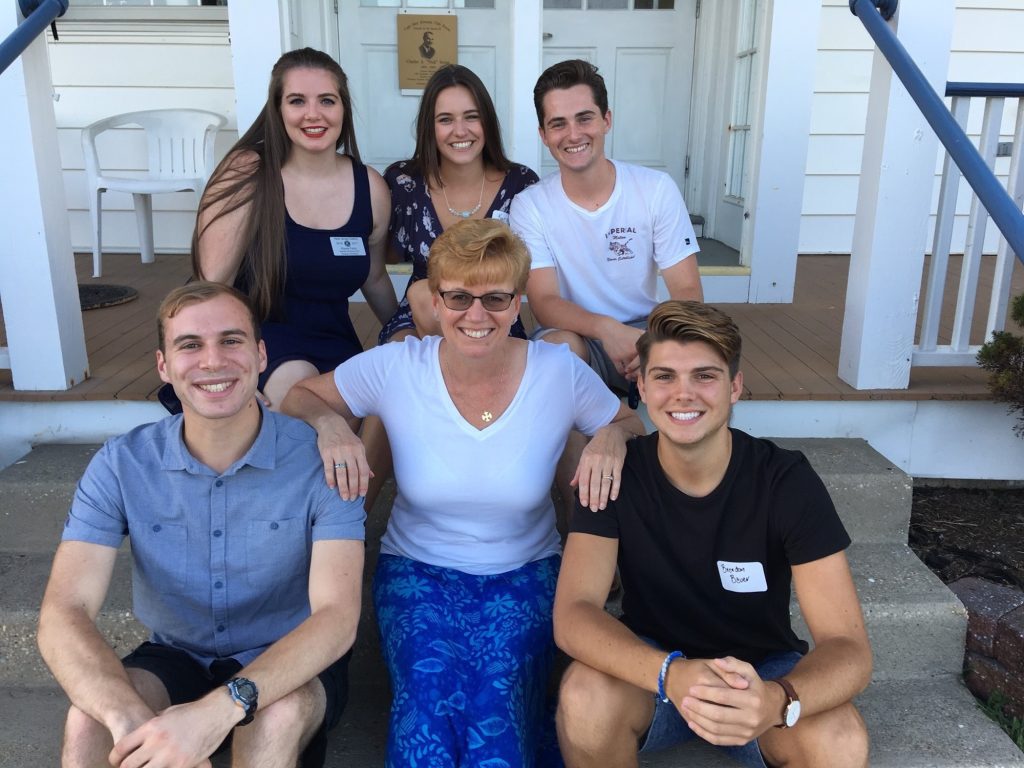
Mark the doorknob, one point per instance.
(546, 36)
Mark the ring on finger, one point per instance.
(607, 477)
(340, 465)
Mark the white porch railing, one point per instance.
(959, 350)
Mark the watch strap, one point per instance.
(791, 697)
(247, 703)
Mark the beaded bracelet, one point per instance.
(664, 673)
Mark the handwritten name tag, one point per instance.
(347, 246)
(742, 577)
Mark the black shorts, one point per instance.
(187, 680)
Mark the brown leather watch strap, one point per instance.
(790, 697)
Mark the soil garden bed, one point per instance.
(960, 532)
(973, 539)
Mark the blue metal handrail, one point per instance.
(997, 202)
(38, 16)
(986, 90)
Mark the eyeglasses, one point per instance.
(460, 301)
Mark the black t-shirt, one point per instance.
(711, 576)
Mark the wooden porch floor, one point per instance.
(791, 351)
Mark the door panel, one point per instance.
(646, 59)
(385, 117)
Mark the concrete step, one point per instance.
(902, 599)
(900, 596)
(917, 711)
(872, 495)
(930, 724)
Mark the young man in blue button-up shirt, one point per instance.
(246, 568)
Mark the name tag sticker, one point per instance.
(742, 577)
(348, 246)
(500, 215)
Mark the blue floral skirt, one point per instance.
(469, 658)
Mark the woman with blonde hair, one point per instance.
(466, 576)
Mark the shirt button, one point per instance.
(157, 527)
(220, 627)
(274, 526)
(218, 584)
(218, 532)
(219, 483)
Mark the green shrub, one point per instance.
(1003, 358)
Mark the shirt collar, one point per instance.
(262, 454)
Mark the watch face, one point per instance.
(792, 713)
(245, 689)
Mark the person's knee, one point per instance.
(78, 727)
(590, 705)
(574, 340)
(847, 737)
(284, 377)
(87, 741)
(837, 739)
(290, 719)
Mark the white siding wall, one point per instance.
(101, 68)
(988, 46)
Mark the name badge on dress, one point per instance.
(742, 577)
(348, 246)
(500, 215)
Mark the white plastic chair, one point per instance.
(180, 149)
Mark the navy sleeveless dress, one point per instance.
(324, 267)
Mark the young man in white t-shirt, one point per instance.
(598, 230)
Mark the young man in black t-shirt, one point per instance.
(710, 528)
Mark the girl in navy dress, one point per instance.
(459, 171)
(293, 218)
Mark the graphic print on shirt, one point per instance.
(618, 239)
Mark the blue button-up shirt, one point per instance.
(220, 561)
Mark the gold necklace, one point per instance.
(486, 416)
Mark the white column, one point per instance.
(896, 180)
(773, 231)
(38, 287)
(257, 41)
(527, 31)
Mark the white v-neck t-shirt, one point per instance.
(476, 500)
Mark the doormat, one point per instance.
(101, 295)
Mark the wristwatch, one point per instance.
(245, 694)
(791, 710)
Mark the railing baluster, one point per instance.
(976, 224)
(1004, 256)
(944, 220)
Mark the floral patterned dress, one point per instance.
(415, 225)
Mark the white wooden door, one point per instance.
(385, 118)
(312, 23)
(646, 59)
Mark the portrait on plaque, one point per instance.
(425, 44)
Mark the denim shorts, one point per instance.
(186, 680)
(668, 727)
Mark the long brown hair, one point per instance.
(426, 161)
(235, 184)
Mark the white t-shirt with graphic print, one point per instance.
(607, 260)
